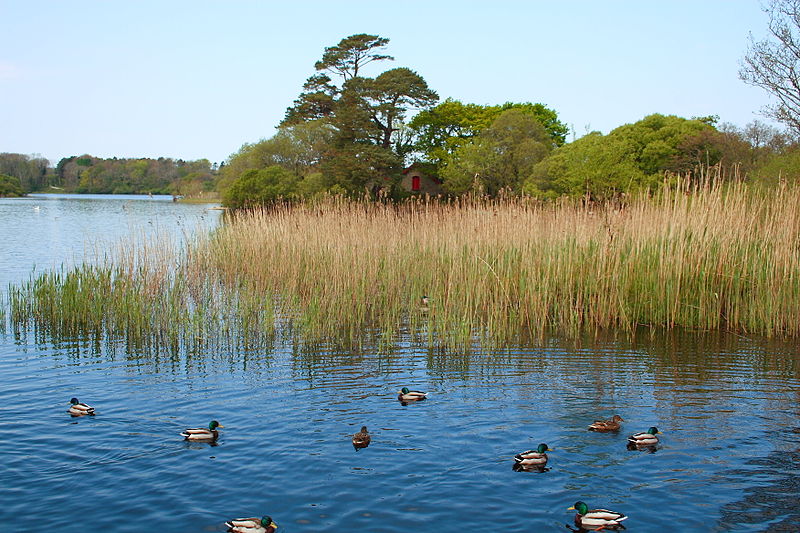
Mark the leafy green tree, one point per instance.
(594, 165)
(656, 139)
(777, 168)
(299, 148)
(548, 118)
(629, 157)
(441, 130)
(500, 158)
(257, 188)
(10, 186)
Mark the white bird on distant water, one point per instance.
(36, 208)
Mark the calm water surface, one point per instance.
(727, 406)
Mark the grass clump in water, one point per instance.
(496, 271)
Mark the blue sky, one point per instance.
(197, 79)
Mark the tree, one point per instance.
(630, 157)
(655, 141)
(352, 53)
(360, 168)
(299, 148)
(595, 165)
(500, 157)
(257, 188)
(10, 186)
(441, 130)
(31, 171)
(451, 124)
(389, 96)
(317, 101)
(366, 116)
(774, 63)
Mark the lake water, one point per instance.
(727, 406)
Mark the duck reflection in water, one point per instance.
(539, 469)
(361, 439)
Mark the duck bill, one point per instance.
(220, 426)
(570, 508)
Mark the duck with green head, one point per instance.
(205, 434)
(533, 458)
(77, 408)
(596, 519)
(406, 395)
(645, 438)
(251, 525)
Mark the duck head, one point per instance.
(580, 507)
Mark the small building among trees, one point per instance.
(418, 179)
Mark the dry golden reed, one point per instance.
(495, 271)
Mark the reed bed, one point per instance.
(495, 271)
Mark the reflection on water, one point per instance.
(726, 406)
(771, 485)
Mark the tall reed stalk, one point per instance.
(495, 271)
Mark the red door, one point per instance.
(415, 183)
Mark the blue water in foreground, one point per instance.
(727, 407)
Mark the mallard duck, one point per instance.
(596, 519)
(251, 525)
(424, 301)
(607, 425)
(405, 395)
(536, 457)
(210, 433)
(362, 438)
(645, 438)
(79, 409)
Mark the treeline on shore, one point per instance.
(21, 174)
